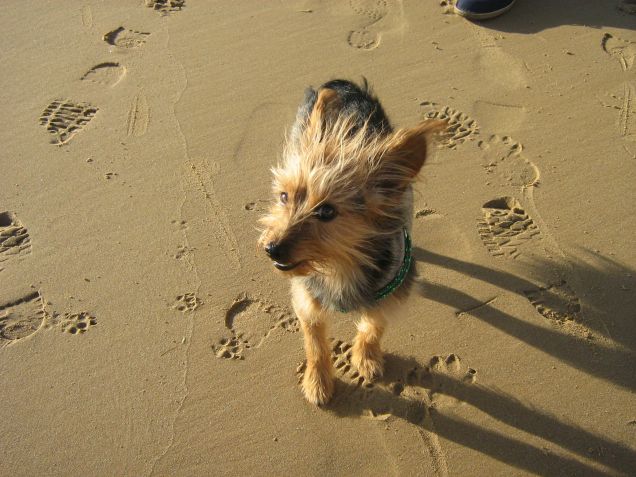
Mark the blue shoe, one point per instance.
(482, 9)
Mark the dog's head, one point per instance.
(339, 188)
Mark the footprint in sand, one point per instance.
(492, 56)
(77, 323)
(511, 70)
(250, 322)
(186, 303)
(363, 39)
(165, 7)
(125, 38)
(559, 304)
(138, 115)
(623, 102)
(63, 119)
(107, 74)
(87, 16)
(371, 11)
(623, 51)
(556, 302)
(502, 156)
(444, 378)
(461, 127)
(14, 238)
(22, 317)
(506, 227)
(492, 114)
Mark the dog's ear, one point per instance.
(326, 100)
(407, 149)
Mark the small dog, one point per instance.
(340, 222)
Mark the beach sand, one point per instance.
(143, 333)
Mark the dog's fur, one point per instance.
(343, 155)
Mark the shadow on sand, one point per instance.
(532, 16)
(408, 390)
(611, 358)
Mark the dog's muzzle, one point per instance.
(278, 252)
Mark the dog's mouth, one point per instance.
(285, 267)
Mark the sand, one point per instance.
(143, 332)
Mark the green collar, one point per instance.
(393, 285)
(401, 274)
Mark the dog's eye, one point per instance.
(283, 197)
(325, 212)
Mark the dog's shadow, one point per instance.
(424, 396)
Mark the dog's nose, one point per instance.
(274, 250)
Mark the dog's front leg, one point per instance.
(366, 353)
(318, 381)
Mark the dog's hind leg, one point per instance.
(367, 354)
(318, 381)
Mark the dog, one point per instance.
(339, 224)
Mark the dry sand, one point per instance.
(144, 334)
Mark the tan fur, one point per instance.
(364, 176)
(318, 381)
(366, 353)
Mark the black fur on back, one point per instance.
(357, 101)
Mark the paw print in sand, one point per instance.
(77, 323)
(250, 322)
(445, 377)
(230, 348)
(356, 388)
(187, 302)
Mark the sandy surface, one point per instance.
(144, 334)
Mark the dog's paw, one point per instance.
(368, 359)
(318, 385)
